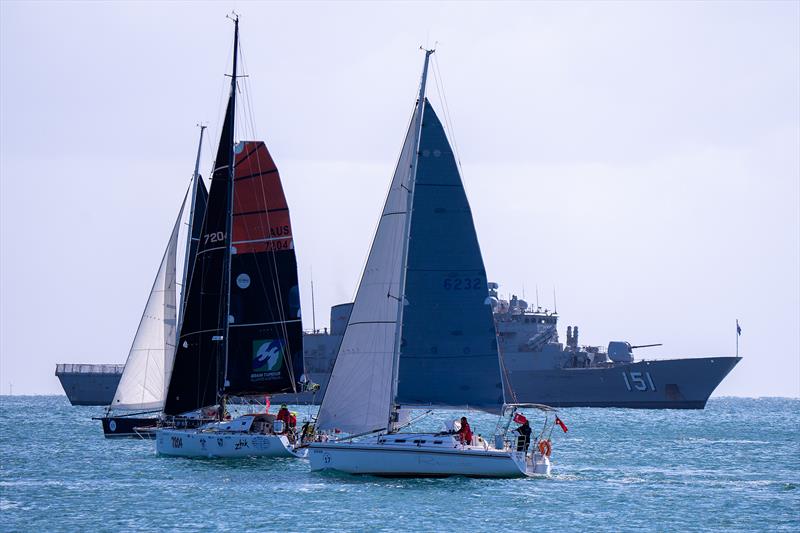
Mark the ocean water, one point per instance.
(733, 467)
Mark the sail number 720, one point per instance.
(636, 380)
(219, 236)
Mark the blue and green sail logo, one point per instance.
(267, 355)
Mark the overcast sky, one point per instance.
(643, 159)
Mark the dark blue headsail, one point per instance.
(448, 351)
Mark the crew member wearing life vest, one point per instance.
(465, 433)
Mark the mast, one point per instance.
(229, 213)
(313, 307)
(184, 279)
(407, 231)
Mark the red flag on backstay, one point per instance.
(519, 418)
(266, 405)
(560, 423)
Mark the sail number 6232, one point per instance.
(462, 284)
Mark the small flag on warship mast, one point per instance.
(738, 334)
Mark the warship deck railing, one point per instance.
(70, 368)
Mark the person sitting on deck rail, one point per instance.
(465, 432)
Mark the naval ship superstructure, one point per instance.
(538, 367)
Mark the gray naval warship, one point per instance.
(538, 367)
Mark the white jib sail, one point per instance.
(358, 394)
(143, 383)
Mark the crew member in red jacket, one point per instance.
(465, 433)
(285, 416)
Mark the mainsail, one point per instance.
(421, 332)
(142, 385)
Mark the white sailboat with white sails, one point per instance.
(421, 332)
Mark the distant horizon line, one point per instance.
(711, 398)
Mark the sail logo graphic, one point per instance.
(267, 355)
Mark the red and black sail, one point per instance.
(265, 353)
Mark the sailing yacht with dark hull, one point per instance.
(404, 347)
(139, 397)
(242, 333)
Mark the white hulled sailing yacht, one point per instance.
(421, 332)
(241, 337)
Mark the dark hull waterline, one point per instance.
(129, 427)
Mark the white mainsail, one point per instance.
(144, 381)
(359, 394)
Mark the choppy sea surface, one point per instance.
(733, 466)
